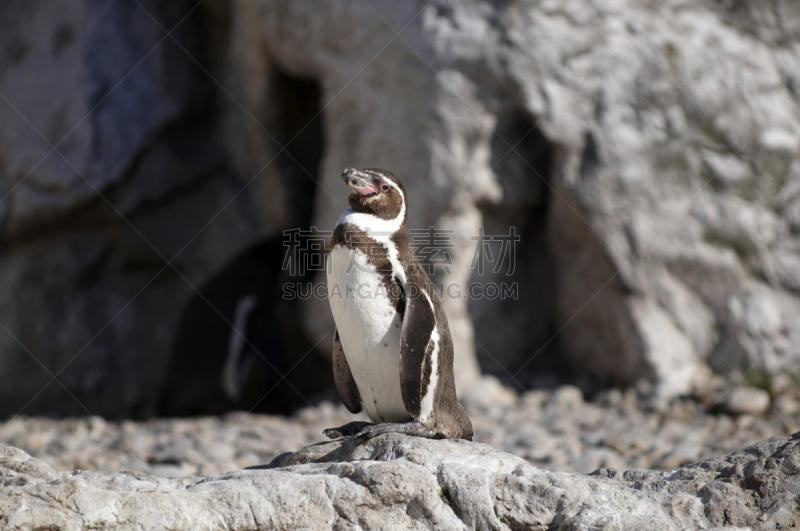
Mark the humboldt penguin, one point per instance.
(392, 349)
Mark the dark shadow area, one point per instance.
(517, 328)
(240, 343)
(237, 340)
(297, 125)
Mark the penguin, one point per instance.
(392, 349)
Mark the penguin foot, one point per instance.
(351, 428)
(414, 429)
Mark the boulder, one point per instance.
(397, 482)
(615, 186)
(654, 190)
(120, 209)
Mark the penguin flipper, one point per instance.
(345, 383)
(419, 322)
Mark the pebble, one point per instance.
(787, 406)
(555, 430)
(488, 392)
(566, 396)
(781, 383)
(745, 400)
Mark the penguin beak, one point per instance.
(359, 181)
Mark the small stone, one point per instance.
(786, 405)
(488, 392)
(644, 388)
(566, 396)
(728, 170)
(655, 403)
(609, 397)
(683, 454)
(778, 141)
(534, 399)
(630, 397)
(780, 383)
(744, 400)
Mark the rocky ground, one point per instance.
(555, 430)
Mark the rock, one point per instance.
(488, 392)
(781, 383)
(612, 431)
(728, 170)
(566, 396)
(397, 482)
(653, 194)
(685, 452)
(120, 204)
(641, 214)
(655, 216)
(744, 400)
(609, 397)
(16, 462)
(787, 406)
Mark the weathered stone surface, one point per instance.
(396, 482)
(653, 188)
(656, 190)
(100, 121)
(118, 204)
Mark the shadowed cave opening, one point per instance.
(216, 367)
(518, 332)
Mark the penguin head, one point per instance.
(376, 192)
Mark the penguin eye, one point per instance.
(385, 187)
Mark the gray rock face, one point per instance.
(119, 203)
(645, 155)
(101, 121)
(652, 184)
(395, 482)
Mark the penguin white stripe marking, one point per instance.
(426, 406)
(433, 308)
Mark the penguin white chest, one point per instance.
(369, 330)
